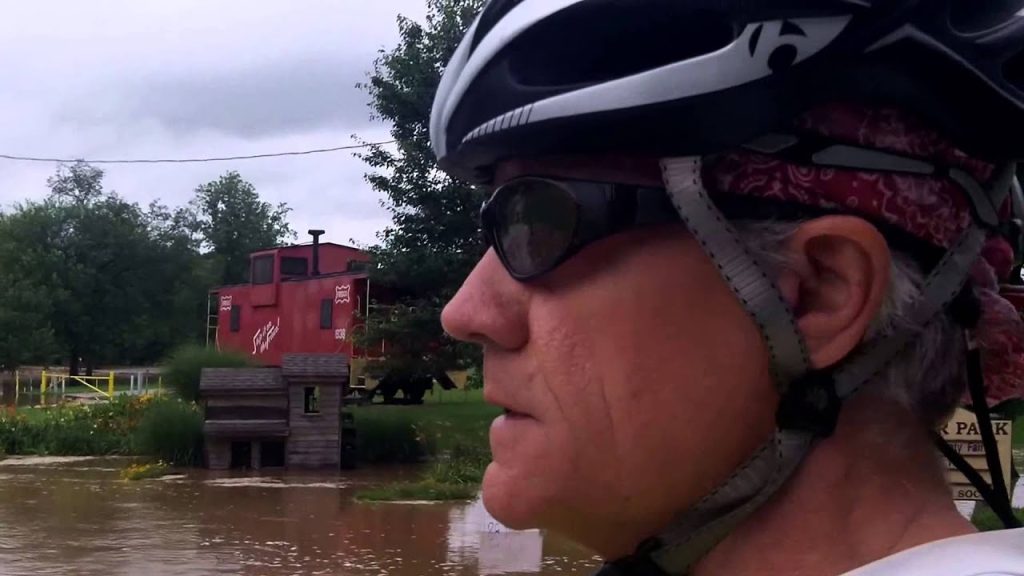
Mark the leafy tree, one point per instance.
(25, 332)
(228, 217)
(434, 240)
(88, 276)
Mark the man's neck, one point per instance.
(873, 489)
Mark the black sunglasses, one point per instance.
(535, 223)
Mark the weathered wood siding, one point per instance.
(256, 407)
(314, 440)
(279, 400)
(218, 454)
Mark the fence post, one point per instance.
(42, 389)
(17, 387)
(110, 385)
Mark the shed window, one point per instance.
(236, 318)
(326, 314)
(263, 269)
(311, 400)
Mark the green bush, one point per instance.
(455, 475)
(71, 429)
(985, 519)
(182, 370)
(390, 440)
(171, 430)
(462, 464)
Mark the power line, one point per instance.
(192, 160)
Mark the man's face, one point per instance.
(634, 379)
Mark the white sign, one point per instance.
(225, 303)
(341, 294)
(264, 336)
(339, 334)
(964, 435)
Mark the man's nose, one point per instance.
(490, 308)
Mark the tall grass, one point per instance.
(182, 369)
(406, 434)
(449, 431)
(454, 475)
(171, 430)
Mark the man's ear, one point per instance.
(835, 280)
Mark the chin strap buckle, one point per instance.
(811, 404)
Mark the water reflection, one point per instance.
(62, 516)
(474, 534)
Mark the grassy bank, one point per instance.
(407, 434)
(449, 431)
(157, 427)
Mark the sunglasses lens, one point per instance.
(536, 220)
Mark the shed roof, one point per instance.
(326, 366)
(241, 380)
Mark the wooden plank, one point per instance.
(218, 454)
(272, 401)
(246, 427)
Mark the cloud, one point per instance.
(288, 96)
(192, 78)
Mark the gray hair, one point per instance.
(927, 377)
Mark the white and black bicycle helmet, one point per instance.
(680, 79)
(686, 77)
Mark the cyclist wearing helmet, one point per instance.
(747, 257)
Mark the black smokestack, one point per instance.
(316, 250)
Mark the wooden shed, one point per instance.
(246, 417)
(288, 416)
(315, 388)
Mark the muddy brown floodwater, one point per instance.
(75, 516)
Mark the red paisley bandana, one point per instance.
(933, 209)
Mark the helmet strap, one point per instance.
(810, 401)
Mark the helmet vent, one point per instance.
(599, 41)
(1013, 70)
(979, 16)
(491, 15)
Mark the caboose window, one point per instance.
(291, 266)
(236, 318)
(326, 314)
(263, 269)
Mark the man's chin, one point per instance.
(510, 498)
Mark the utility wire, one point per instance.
(192, 160)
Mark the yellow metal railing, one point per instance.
(49, 378)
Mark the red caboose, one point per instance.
(301, 298)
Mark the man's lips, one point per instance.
(513, 414)
(510, 409)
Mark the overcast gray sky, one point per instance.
(199, 78)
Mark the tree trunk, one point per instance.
(76, 364)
